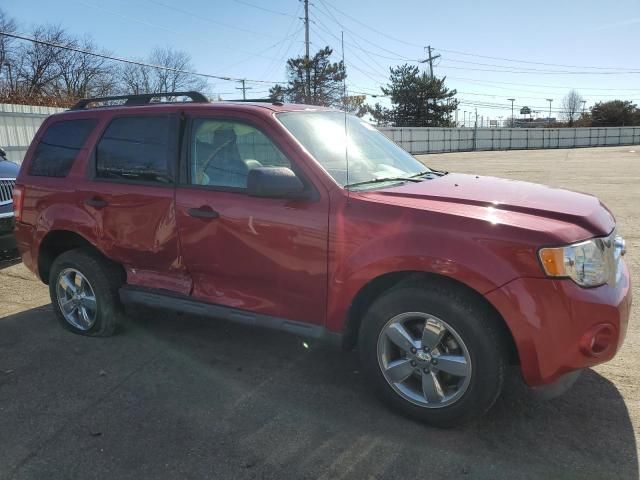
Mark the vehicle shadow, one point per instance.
(586, 433)
(211, 396)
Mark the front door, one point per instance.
(267, 256)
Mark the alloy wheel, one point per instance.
(76, 299)
(424, 359)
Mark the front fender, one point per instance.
(369, 243)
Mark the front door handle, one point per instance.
(96, 202)
(203, 212)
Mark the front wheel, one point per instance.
(433, 352)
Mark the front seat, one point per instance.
(225, 166)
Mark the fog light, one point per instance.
(598, 340)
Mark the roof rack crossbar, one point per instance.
(140, 99)
(250, 100)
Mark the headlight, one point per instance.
(590, 263)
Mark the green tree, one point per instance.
(615, 113)
(326, 87)
(417, 100)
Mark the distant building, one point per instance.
(532, 122)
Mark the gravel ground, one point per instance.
(185, 397)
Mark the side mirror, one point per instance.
(274, 182)
(3, 154)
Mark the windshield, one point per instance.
(372, 156)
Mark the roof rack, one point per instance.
(140, 99)
(250, 100)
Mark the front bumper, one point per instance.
(550, 321)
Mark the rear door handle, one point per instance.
(96, 202)
(203, 212)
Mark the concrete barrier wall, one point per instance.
(437, 140)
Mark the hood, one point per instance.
(501, 201)
(8, 169)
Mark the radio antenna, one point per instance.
(344, 108)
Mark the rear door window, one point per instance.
(136, 149)
(59, 146)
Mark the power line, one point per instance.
(291, 37)
(259, 7)
(161, 27)
(542, 72)
(529, 69)
(458, 52)
(371, 28)
(126, 60)
(208, 20)
(280, 42)
(396, 56)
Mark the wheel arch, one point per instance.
(385, 282)
(55, 243)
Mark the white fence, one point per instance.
(437, 140)
(18, 126)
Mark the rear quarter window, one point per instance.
(59, 146)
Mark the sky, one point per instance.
(489, 51)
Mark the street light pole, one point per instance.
(511, 100)
(549, 100)
(584, 102)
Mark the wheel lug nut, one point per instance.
(434, 361)
(413, 363)
(426, 370)
(413, 350)
(426, 349)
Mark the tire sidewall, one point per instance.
(477, 331)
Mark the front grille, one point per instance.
(6, 190)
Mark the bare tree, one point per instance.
(37, 64)
(571, 105)
(83, 74)
(135, 78)
(173, 77)
(7, 53)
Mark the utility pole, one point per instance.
(430, 58)
(244, 89)
(584, 102)
(511, 100)
(549, 119)
(475, 132)
(306, 48)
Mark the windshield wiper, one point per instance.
(427, 172)
(380, 180)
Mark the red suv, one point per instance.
(309, 220)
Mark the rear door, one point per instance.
(264, 255)
(131, 192)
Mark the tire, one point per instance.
(78, 269)
(472, 346)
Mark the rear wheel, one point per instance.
(84, 293)
(434, 353)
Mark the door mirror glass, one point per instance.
(274, 182)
